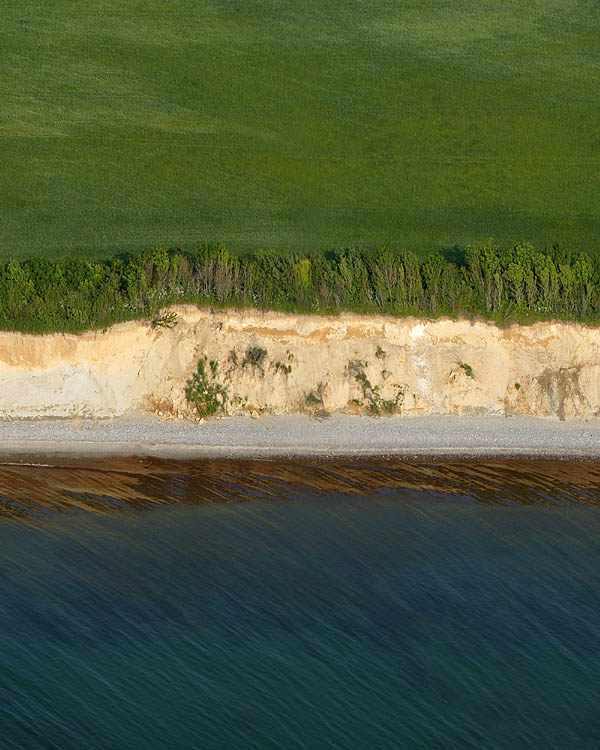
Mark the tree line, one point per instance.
(519, 283)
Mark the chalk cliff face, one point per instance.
(282, 363)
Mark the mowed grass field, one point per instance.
(296, 124)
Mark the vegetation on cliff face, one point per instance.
(516, 284)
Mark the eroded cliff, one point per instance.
(283, 363)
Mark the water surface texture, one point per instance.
(152, 604)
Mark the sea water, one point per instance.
(261, 605)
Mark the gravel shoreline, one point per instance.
(300, 436)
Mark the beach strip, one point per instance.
(300, 436)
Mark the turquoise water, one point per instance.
(272, 606)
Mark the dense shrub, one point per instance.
(518, 283)
(204, 392)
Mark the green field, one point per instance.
(297, 124)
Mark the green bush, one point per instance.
(208, 396)
(516, 284)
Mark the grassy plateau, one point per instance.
(297, 125)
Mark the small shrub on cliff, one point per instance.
(314, 402)
(315, 397)
(312, 399)
(372, 398)
(166, 320)
(207, 396)
(255, 356)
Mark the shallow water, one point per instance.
(266, 605)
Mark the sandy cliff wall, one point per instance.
(351, 363)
